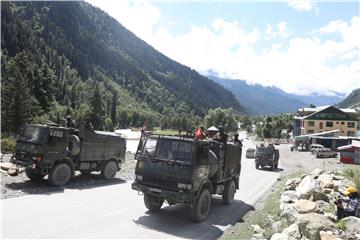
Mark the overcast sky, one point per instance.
(300, 46)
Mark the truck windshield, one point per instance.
(168, 149)
(33, 134)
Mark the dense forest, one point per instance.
(70, 58)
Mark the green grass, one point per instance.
(341, 225)
(354, 174)
(260, 217)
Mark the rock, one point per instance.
(325, 180)
(327, 191)
(289, 214)
(277, 227)
(258, 229)
(321, 206)
(352, 223)
(330, 216)
(305, 188)
(291, 184)
(6, 166)
(327, 236)
(316, 195)
(304, 206)
(316, 173)
(258, 236)
(343, 184)
(293, 232)
(338, 177)
(279, 236)
(311, 224)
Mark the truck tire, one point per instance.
(201, 209)
(256, 165)
(60, 174)
(273, 166)
(229, 193)
(74, 145)
(109, 170)
(153, 203)
(34, 176)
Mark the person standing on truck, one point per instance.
(221, 136)
(237, 140)
(199, 133)
(70, 123)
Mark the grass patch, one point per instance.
(341, 225)
(8, 144)
(261, 216)
(354, 175)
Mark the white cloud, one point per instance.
(296, 64)
(302, 5)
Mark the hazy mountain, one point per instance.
(352, 100)
(320, 100)
(259, 100)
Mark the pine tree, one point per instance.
(113, 107)
(98, 110)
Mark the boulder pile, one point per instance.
(307, 210)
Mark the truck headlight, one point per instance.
(184, 186)
(139, 177)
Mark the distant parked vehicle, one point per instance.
(325, 152)
(250, 153)
(315, 147)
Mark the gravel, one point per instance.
(20, 185)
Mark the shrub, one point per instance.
(8, 145)
(354, 175)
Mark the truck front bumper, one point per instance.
(179, 196)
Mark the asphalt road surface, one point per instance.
(116, 211)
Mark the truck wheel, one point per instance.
(201, 209)
(109, 170)
(32, 175)
(276, 166)
(153, 203)
(256, 165)
(273, 166)
(59, 174)
(229, 193)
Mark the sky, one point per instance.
(300, 46)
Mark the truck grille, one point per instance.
(23, 157)
(162, 183)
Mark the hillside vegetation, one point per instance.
(351, 101)
(61, 58)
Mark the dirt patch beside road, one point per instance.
(21, 185)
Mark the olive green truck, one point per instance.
(186, 170)
(58, 152)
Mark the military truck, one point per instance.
(58, 152)
(266, 156)
(186, 170)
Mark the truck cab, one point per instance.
(186, 170)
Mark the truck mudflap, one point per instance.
(171, 196)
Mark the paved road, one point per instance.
(118, 212)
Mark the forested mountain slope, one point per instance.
(59, 57)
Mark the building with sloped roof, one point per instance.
(324, 119)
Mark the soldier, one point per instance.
(349, 206)
(237, 140)
(88, 124)
(69, 122)
(221, 136)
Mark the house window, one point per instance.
(351, 124)
(342, 123)
(351, 133)
(310, 131)
(329, 124)
(337, 122)
(311, 123)
(321, 125)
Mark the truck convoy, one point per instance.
(58, 152)
(186, 170)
